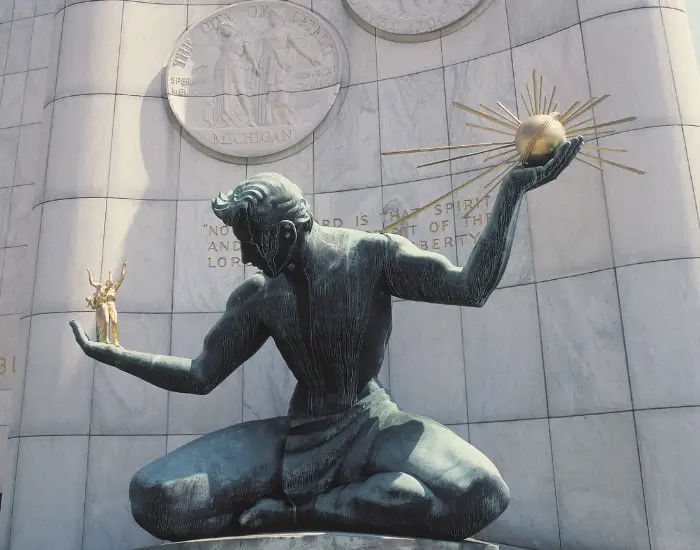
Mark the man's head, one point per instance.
(267, 213)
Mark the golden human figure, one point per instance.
(104, 304)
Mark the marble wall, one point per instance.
(579, 378)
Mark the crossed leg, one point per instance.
(200, 490)
(422, 480)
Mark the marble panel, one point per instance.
(23, 225)
(11, 101)
(267, 384)
(298, 168)
(412, 114)
(208, 265)
(627, 57)
(427, 364)
(195, 11)
(202, 177)
(432, 230)
(560, 60)
(89, 48)
(6, 11)
(363, 62)
(660, 309)
(20, 42)
(596, 8)
(54, 52)
(568, 220)
(521, 450)
(109, 524)
(5, 29)
(50, 494)
(81, 135)
(23, 8)
(346, 156)
(65, 250)
(9, 350)
(145, 150)
(141, 59)
(6, 412)
(487, 34)
(5, 204)
(528, 21)
(485, 80)
(18, 273)
(599, 486)
(469, 226)
(200, 414)
(48, 6)
(654, 216)
(683, 59)
(7, 471)
(122, 403)
(359, 209)
(175, 441)
(582, 341)
(8, 153)
(405, 58)
(2, 266)
(144, 233)
(41, 150)
(692, 145)
(33, 106)
(41, 42)
(17, 379)
(503, 357)
(669, 448)
(31, 153)
(58, 381)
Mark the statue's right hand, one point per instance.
(96, 350)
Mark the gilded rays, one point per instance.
(531, 141)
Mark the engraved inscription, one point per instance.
(7, 365)
(255, 78)
(396, 18)
(450, 226)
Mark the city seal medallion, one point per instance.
(414, 20)
(253, 81)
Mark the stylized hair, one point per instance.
(263, 201)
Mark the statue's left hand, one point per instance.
(529, 178)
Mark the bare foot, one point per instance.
(268, 513)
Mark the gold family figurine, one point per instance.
(104, 304)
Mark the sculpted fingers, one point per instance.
(80, 335)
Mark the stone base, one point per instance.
(323, 541)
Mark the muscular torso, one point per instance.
(333, 335)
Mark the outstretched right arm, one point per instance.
(236, 336)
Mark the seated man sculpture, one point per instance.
(345, 458)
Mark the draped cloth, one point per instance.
(329, 451)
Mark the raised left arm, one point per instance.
(121, 277)
(414, 274)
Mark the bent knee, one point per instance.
(161, 507)
(475, 504)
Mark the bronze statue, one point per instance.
(345, 458)
(104, 304)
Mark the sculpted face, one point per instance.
(269, 252)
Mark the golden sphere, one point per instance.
(538, 137)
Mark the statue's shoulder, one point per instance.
(248, 291)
